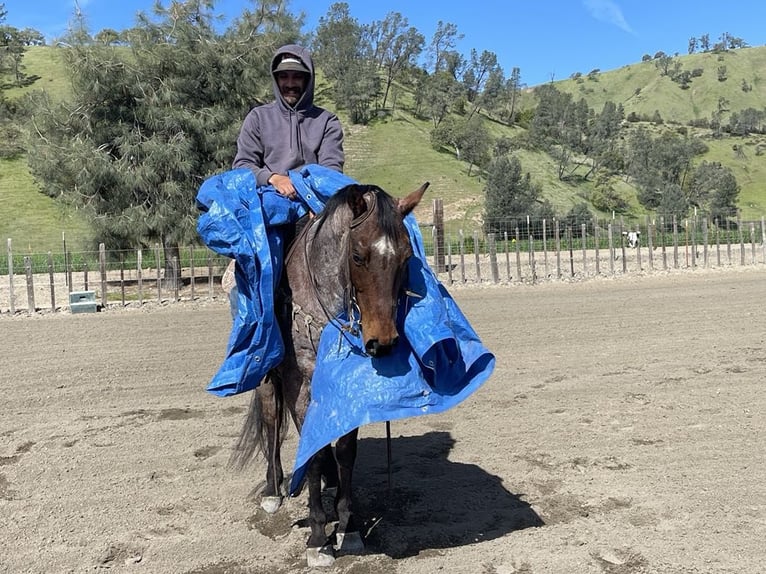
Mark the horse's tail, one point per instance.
(266, 409)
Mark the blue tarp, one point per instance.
(437, 363)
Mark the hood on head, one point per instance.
(295, 58)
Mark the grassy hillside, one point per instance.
(641, 88)
(395, 152)
(32, 220)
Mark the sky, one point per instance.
(546, 39)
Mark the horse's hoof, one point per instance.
(349, 543)
(271, 503)
(321, 557)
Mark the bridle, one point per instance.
(353, 323)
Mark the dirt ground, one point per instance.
(622, 432)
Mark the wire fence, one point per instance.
(528, 251)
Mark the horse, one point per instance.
(350, 258)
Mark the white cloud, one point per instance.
(609, 12)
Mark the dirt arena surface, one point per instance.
(622, 432)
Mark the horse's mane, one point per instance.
(387, 215)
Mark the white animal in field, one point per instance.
(633, 238)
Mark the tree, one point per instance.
(396, 48)
(510, 194)
(663, 63)
(469, 139)
(146, 125)
(443, 44)
(345, 56)
(672, 201)
(338, 42)
(479, 70)
(716, 120)
(747, 121)
(13, 44)
(714, 187)
(437, 94)
(578, 215)
(603, 135)
(693, 43)
(511, 95)
(661, 168)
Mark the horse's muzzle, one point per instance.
(375, 348)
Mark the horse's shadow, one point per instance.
(433, 502)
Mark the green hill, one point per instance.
(394, 151)
(643, 90)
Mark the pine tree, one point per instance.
(149, 122)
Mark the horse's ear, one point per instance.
(407, 204)
(358, 200)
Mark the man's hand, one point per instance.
(283, 185)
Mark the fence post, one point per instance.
(752, 242)
(210, 274)
(705, 241)
(675, 242)
(462, 256)
(68, 262)
(31, 307)
(51, 280)
(610, 238)
(596, 239)
(557, 235)
(438, 217)
(507, 256)
(449, 262)
(718, 244)
(532, 262)
(763, 238)
(664, 251)
(728, 240)
(741, 241)
(518, 254)
(191, 269)
(122, 279)
(476, 255)
(174, 264)
(570, 240)
(102, 269)
(157, 264)
(493, 258)
(693, 241)
(12, 299)
(545, 247)
(140, 266)
(622, 245)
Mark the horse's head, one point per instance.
(378, 250)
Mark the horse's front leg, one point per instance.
(319, 552)
(348, 537)
(271, 420)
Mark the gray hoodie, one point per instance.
(277, 137)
